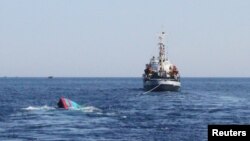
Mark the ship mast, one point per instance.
(162, 57)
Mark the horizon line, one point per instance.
(118, 77)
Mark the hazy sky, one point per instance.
(85, 38)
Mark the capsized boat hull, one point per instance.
(161, 85)
(67, 104)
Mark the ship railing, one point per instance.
(148, 77)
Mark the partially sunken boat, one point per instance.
(160, 74)
(67, 104)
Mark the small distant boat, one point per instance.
(67, 104)
(50, 77)
(160, 74)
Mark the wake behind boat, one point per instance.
(160, 74)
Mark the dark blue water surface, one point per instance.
(114, 109)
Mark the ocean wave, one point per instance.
(45, 107)
(90, 109)
(85, 109)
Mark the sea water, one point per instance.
(114, 109)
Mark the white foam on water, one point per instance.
(85, 109)
(45, 107)
(90, 109)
